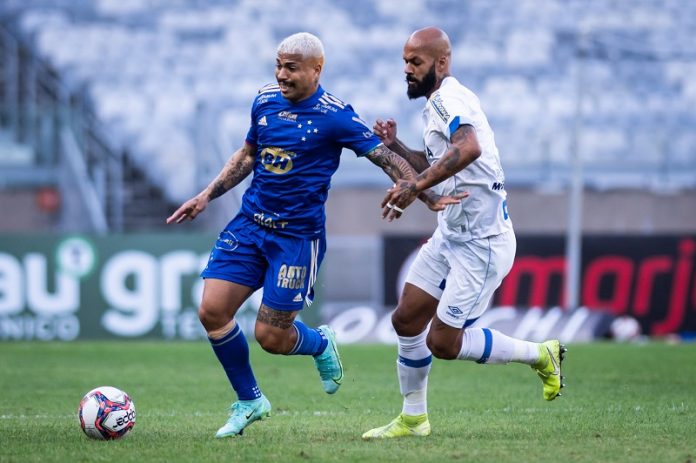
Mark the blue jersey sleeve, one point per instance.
(252, 134)
(354, 133)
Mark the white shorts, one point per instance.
(462, 275)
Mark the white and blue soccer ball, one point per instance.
(106, 413)
(625, 328)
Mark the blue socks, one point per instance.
(232, 351)
(310, 341)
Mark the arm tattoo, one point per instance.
(464, 132)
(234, 171)
(277, 318)
(393, 165)
(463, 151)
(417, 159)
(452, 159)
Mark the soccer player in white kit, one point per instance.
(454, 276)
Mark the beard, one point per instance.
(423, 87)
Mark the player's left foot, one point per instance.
(548, 368)
(329, 363)
(242, 414)
(401, 426)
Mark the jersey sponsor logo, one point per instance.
(277, 160)
(438, 105)
(497, 186)
(269, 221)
(287, 116)
(324, 108)
(297, 298)
(262, 121)
(428, 152)
(291, 276)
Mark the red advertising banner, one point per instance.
(651, 278)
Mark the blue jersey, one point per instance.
(298, 148)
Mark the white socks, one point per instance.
(413, 366)
(484, 345)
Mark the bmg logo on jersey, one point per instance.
(277, 160)
(291, 276)
(287, 116)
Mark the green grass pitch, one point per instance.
(622, 402)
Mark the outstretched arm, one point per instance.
(416, 158)
(237, 167)
(463, 151)
(392, 164)
(403, 175)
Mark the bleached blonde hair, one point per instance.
(302, 43)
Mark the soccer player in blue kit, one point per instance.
(277, 240)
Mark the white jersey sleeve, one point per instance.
(451, 114)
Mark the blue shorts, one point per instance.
(252, 255)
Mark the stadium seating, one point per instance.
(153, 67)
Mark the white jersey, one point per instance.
(484, 212)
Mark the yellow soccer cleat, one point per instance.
(548, 368)
(402, 426)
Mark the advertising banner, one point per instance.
(69, 287)
(114, 286)
(650, 278)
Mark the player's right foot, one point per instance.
(329, 363)
(548, 368)
(401, 426)
(242, 414)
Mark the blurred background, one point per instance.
(113, 112)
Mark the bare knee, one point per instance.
(442, 348)
(220, 302)
(212, 319)
(399, 323)
(271, 344)
(415, 310)
(405, 325)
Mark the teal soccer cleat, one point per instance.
(242, 414)
(329, 363)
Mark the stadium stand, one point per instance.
(165, 86)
